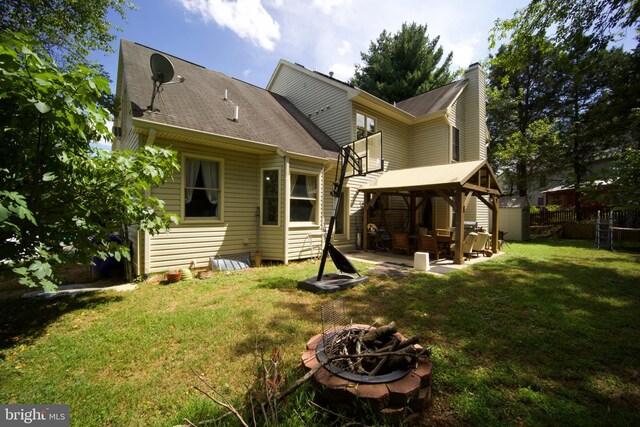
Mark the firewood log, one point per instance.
(381, 333)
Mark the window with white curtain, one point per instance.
(201, 188)
(303, 198)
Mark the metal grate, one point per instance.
(333, 317)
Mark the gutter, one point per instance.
(152, 127)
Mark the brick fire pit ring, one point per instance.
(395, 399)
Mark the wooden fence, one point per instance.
(629, 219)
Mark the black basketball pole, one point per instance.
(337, 193)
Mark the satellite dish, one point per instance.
(161, 73)
(161, 68)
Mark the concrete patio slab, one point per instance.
(403, 262)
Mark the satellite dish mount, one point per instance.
(162, 73)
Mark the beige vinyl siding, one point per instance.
(356, 207)
(396, 155)
(201, 240)
(430, 143)
(482, 214)
(442, 214)
(301, 242)
(474, 99)
(325, 104)
(347, 239)
(272, 237)
(130, 138)
(395, 137)
(457, 119)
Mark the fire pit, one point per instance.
(384, 371)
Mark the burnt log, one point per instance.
(380, 334)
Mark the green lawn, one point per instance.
(548, 334)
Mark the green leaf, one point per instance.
(42, 107)
(49, 176)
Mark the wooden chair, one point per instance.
(429, 244)
(400, 242)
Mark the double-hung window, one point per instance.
(303, 200)
(202, 189)
(365, 125)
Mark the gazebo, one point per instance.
(455, 183)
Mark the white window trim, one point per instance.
(346, 198)
(451, 131)
(366, 115)
(196, 220)
(305, 224)
(262, 170)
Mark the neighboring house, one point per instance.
(559, 190)
(258, 165)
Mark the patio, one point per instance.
(406, 262)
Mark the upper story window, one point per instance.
(270, 196)
(455, 146)
(365, 125)
(202, 189)
(303, 200)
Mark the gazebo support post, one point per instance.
(495, 238)
(365, 215)
(459, 218)
(412, 213)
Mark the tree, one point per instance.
(519, 101)
(69, 30)
(580, 33)
(61, 199)
(403, 65)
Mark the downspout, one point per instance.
(287, 209)
(146, 237)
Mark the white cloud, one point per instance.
(342, 71)
(246, 72)
(345, 48)
(247, 18)
(327, 6)
(466, 51)
(326, 35)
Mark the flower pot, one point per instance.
(173, 276)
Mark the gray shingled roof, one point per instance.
(433, 101)
(199, 104)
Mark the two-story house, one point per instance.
(258, 164)
(443, 127)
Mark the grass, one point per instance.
(547, 334)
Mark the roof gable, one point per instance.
(199, 104)
(434, 101)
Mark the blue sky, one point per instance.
(246, 38)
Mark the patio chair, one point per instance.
(480, 243)
(400, 242)
(429, 244)
(467, 243)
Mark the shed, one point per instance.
(514, 218)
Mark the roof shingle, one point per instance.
(433, 101)
(199, 104)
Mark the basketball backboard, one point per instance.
(366, 155)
